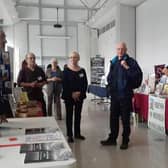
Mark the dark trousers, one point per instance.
(120, 107)
(57, 105)
(43, 106)
(76, 107)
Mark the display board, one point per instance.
(5, 73)
(97, 69)
(156, 117)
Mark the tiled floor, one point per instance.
(147, 148)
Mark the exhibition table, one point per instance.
(12, 136)
(141, 107)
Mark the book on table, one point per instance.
(41, 147)
(40, 130)
(47, 156)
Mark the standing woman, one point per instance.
(54, 88)
(74, 92)
(32, 79)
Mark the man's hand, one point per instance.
(124, 64)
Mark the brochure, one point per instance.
(45, 156)
(32, 138)
(52, 146)
(40, 130)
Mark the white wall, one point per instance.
(20, 39)
(152, 36)
(34, 42)
(107, 44)
(84, 48)
(124, 30)
(72, 42)
(125, 27)
(16, 36)
(9, 31)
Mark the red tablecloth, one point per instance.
(166, 116)
(141, 107)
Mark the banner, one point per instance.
(156, 118)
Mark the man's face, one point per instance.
(121, 50)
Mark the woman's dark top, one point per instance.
(74, 81)
(27, 75)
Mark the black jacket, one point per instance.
(121, 81)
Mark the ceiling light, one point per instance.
(57, 25)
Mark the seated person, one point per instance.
(164, 78)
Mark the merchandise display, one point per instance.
(51, 146)
(28, 109)
(34, 142)
(41, 130)
(46, 156)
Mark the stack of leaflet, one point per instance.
(42, 134)
(43, 152)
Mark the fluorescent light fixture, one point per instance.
(54, 37)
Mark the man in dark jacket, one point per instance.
(124, 76)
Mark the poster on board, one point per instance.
(97, 69)
(5, 73)
(156, 118)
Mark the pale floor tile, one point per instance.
(147, 148)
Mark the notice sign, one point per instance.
(156, 118)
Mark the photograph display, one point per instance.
(5, 74)
(97, 69)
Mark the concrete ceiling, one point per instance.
(74, 10)
(8, 13)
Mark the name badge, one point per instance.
(39, 78)
(81, 75)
